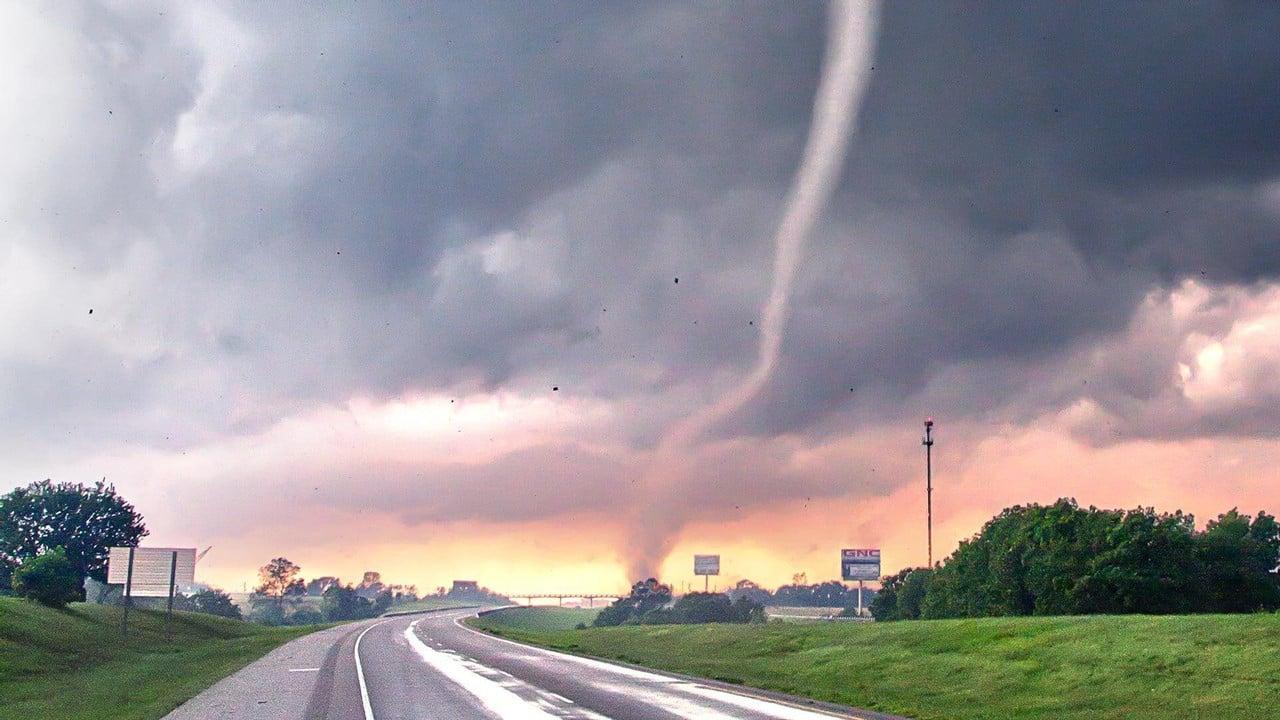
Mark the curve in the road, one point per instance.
(431, 666)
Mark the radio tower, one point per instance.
(928, 481)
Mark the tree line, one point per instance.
(1062, 559)
(649, 603)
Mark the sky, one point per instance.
(422, 290)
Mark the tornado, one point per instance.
(851, 31)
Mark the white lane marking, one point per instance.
(767, 707)
(304, 669)
(531, 652)
(688, 708)
(504, 703)
(773, 708)
(364, 689)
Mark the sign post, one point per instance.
(128, 594)
(173, 577)
(860, 564)
(150, 572)
(706, 566)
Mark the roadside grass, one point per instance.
(1061, 668)
(72, 663)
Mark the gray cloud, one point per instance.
(271, 208)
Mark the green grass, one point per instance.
(72, 663)
(1066, 668)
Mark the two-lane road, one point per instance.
(432, 666)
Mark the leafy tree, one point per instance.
(884, 607)
(646, 596)
(214, 602)
(703, 607)
(1239, 558)
(746, 610)
(304, 616)
(342, 602)
(751, 591)
(382, 602)
(85, 520)
(1149, 565)
(267, 613)
(49, 579)
(901, 595)
(279, 579)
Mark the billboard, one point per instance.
(860, 564)
(706, 564)
(151, 569)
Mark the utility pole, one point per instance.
(928, 481)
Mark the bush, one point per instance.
(214, 602)
(305, 616)
(267, 613)
(49, 579)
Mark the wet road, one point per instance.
(432, 666)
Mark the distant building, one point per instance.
(465, 587)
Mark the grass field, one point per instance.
(1077, 668)
(64, 664)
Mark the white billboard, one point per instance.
(151, 569)
(860, 564)
(706, 564)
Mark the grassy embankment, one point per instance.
(63, 664)
(1065, 668)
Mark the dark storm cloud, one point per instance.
(342, 200)
(1041, 168)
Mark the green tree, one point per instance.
(703, 607)
(214, 602)
(646, 596)
(279, 579)
(48, 578)
(85, 520)
(342, 602)
(1149, 565)
(1239, 558)
(884, 606)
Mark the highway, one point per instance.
(430, 665)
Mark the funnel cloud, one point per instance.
(851, 31)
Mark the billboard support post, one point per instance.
(706, 566)
(128, 596)
(173, 579)
(860, 564)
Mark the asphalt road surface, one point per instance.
(431, 666)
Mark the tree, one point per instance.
(884, 607)
(703, 607)
(1239, 558)
(214, 602)
(49, 579)
(646, 596)
(85, 521)
(279, 579)
(342, 602)
(305, 616)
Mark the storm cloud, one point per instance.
(274, 212)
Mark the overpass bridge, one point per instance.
(560, 597)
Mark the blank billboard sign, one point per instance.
(706, 564)
(860, 564)
(151, 569)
